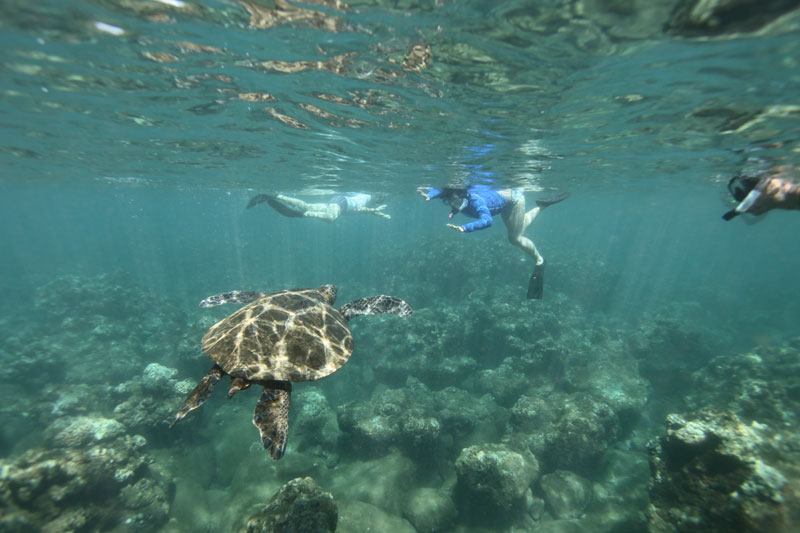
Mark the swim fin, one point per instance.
(730, 214)
(275, 203)
(258, 199)
(544, 202)
(536, 284)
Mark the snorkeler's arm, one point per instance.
(429, 192)
(483, 222)
(375, 211)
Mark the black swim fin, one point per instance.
(544, 202)
(536, 284)
(730, 214)
(276, 204)
(257, 199)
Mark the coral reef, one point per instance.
(668, 350)
(761, 385)
(565, 431)
(483, 413)
(300, 505)
(492, 482)
(712, 472)
(429, 426)
(147, 402)
(392, 418)
(94, 477)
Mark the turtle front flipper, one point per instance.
(376, 305)
(232, 297)
(200, 393)
(272, 417)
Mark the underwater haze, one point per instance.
(654, 387)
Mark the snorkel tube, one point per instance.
(743, 189)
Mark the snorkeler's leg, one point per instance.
(541, 203)
(286, 206)
(516, 221)
(298, 205)
(326, 212)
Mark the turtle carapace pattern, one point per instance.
(278, 338)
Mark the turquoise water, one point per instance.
(133, 134)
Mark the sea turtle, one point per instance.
(291, 335)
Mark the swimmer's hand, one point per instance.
(424, 191)
(379, 211)
(453, 226)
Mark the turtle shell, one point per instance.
(291, 335)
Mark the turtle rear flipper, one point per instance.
(200, 393)
(376, 305)
(232, 297)
(272, 418)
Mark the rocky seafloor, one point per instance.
(481, 412)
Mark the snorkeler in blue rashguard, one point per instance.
(340, 204)
(482, 202)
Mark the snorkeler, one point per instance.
(481, 202)
(340, 204)
(757, 194)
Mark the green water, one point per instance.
(128, 157)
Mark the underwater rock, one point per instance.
(159, 376)
(147, 403)
(612, 378)
(668, 350)
(102, 481)
(85, 322)
(584, 430)
(568, 432)
(83, 430)
(492, 482)
(430, 510)
(417, 350)
(712, 472)
(299, 506)
(385, 481)
(392, 418)
(504, 383)
(315, 428)
(695, 18)
(567, 494)
(358, 517)
(619, 494)
(761, 385)
(467, 417)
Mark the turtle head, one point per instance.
(329, 292)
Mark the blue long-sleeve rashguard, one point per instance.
(482, 203)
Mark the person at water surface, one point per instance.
(778, 188)
(340, 204)
(482, 202)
